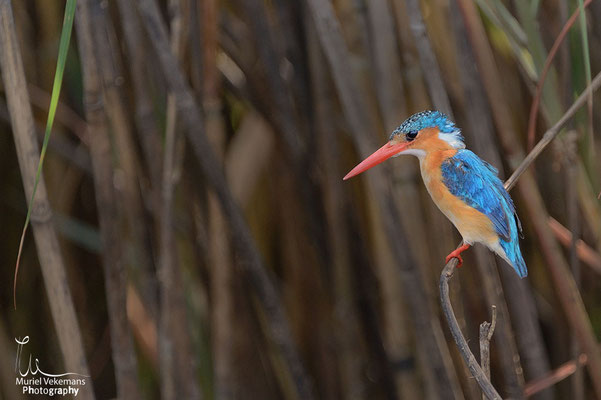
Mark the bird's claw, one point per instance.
(455, 254)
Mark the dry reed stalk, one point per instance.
(124, 357)
(222, 262)
(570, 166)
(24, 26)
(147, 129)
(304, 279)
(551, 133)
(64, 113)
(7, 373)
(531, 135)
(128, 166)
(177, 363)
(427, 59)
(250, 259)
(276, 87)
(427, 328)
(557, 375)
(586, 254)
(347, 328)
(168, 347)
(387, 68)
(50, 257)
(567, 290)
(439, 99)
(73, 154)
(568, 293)
(589, 204)
(287, 116)
(248, 155)
(534, 45)
(143, 326)
(517, 296)
(271, 94)
(412, 75)
(391, 102)
(247, 158)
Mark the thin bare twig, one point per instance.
(553, 132)
(557, 375)
(486, 331)
(477, 371)
(543, 75)
(447, 271)
(586, 254)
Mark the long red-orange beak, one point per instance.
(379, 156)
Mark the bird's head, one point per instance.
(419, 134)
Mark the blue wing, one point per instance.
(477, 184)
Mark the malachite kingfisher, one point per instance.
(465, 188)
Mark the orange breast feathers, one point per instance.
(473, 225)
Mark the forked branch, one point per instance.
(448, 270)
(487, 388)
(486, 331)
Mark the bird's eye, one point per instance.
(411, 135)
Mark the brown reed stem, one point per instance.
(123, 352)
(177, 366)
(268, 296)
(531, 135)
(46, 240)
(586, 254)
(427, 59)
(355, 111)
(128, 165)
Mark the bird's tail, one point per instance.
(513, 256)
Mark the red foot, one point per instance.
(457, 254)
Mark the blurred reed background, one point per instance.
(281, 280)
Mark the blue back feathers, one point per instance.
(476, 183)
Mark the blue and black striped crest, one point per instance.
(432, 119)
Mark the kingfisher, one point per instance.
(465, 188)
